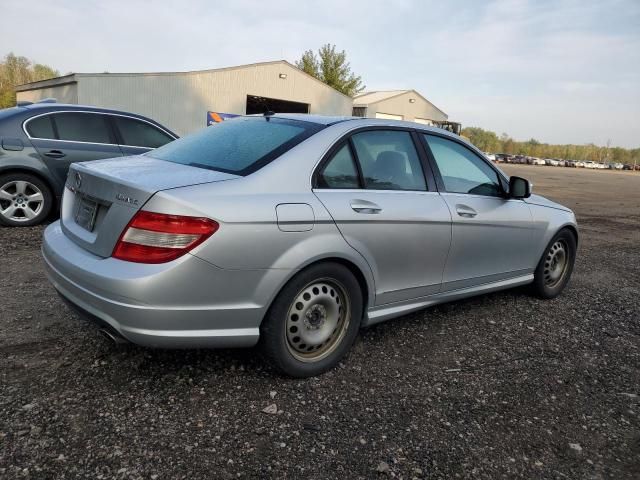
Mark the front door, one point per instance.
(492, 236)
(62, 138)
(375, 190)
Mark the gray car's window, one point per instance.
(389, 160)
(41, 127)
(340, 172)
(82, 127)
(461, 170)
(240, 146)
(140, 134)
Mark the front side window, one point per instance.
(82, 127)
(137, 133)
(340, 172)
(389, 160)
(41, 127)
(240, 146)
(461, 170)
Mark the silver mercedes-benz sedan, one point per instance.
(295, 231)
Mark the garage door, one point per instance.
(388, 116)
(424, 121)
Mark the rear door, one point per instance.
(374, 186)
(137, 136)
(62, 138)
(493, 237)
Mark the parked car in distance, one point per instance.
(538, 161)
(39, 141)
(282, 237)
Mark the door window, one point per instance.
(340, 172)
(389, 160)
(41, 127)
(461, 170)
(137, 133)
(82, 127)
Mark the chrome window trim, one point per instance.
(367, 190)
(24, 128)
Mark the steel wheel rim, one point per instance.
(317, 320)
(556, 263)
(20, 201)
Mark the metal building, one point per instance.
(181, 100)
(397, 105)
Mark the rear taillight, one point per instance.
(157, 238)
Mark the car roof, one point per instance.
(328, 120)
(33, 109)
(52, 107)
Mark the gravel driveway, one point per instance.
(498, 386)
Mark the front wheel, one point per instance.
(313, 321)
(25, 200)
(556, 265)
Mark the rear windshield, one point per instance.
(240, 146)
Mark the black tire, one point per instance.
(40, 210)
(275, 332)
(547, 284)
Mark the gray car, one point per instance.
(39, 141)
(294, 231)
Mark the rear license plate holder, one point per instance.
(86, 213)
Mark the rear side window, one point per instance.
(389, 160)
(41, 127)
(137, 133)
(239, 146)
(340, 172)
(82, 127)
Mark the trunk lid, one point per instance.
(102, 196)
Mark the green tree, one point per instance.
(332, 68)
(489, 142)
(15, 70)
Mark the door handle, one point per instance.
(466, 212)
(364, 206)
(55, 154)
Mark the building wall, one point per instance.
(181, 100)
(400, 105)
(62, 93)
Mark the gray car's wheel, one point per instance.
(25, 200)
(556, 265)
(313, 321)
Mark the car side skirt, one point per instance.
(388, 311)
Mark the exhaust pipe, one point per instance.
(116, 338)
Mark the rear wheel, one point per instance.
(313, 320)
(25, 200)
(556, 265)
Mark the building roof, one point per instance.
(73, 77)
(369, 98)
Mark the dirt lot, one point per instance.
(499, 386)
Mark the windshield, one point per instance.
(240, 146)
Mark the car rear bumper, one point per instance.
(187, 303)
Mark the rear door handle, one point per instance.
(465, 211)
(55, 154)
(364, 206)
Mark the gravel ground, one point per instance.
(499, 386)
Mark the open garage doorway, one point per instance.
(263, 104)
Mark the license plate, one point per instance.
(86, 212)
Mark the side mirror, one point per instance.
(519, 187)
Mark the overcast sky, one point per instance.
(559, 71)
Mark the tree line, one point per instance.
(488, 141)
(14, 71)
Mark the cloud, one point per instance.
(553, 70)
